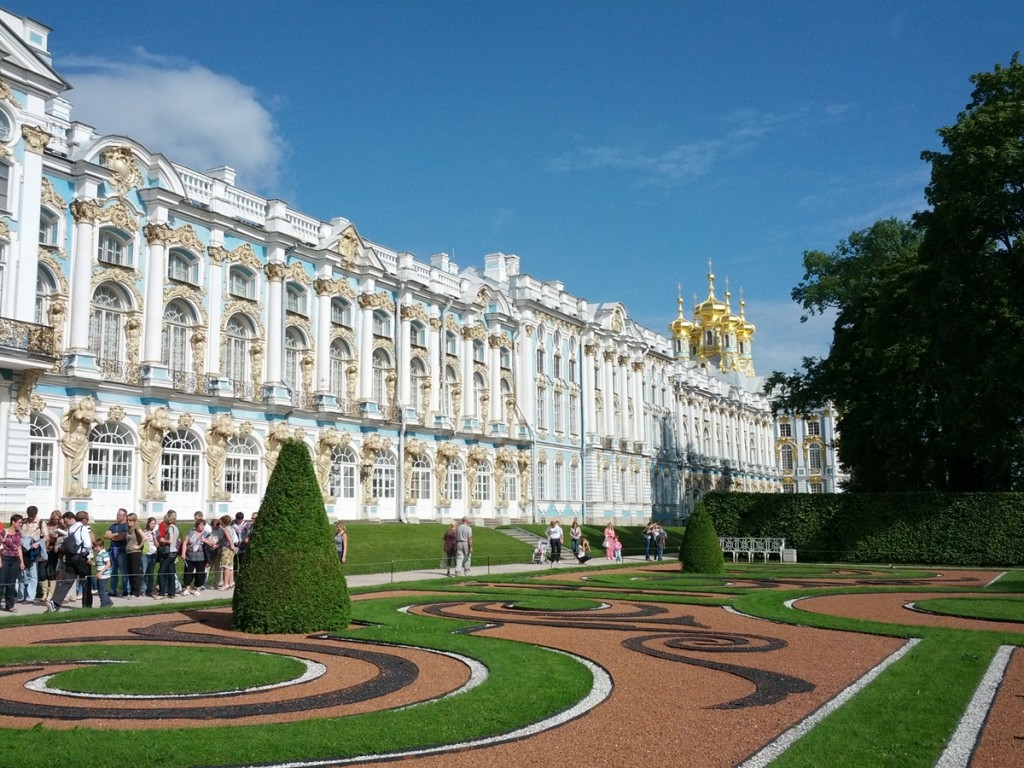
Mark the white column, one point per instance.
(608, 428)
(84, 212)
(157, 237)
(217, 255)
(468, 393)
(638, 402)
(404, 348)
(325, 288)
(496, 407)
(588, 391)
(365, 331)
(527, 357)
(27, 259)
(275, 317)
(436, 367)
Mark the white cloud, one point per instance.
(186, 112)
(691, 160)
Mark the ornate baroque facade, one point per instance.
(163, 331)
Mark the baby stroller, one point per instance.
(540, 552)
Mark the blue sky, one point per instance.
(615, 146)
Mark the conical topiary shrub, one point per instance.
(700, 551)
(291, 581)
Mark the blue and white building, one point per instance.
(163, 330)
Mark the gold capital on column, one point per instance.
(36, 138)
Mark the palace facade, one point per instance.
(163, 331)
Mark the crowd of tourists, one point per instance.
(60, 561)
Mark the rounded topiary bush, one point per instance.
(291, 580)
(700, 551)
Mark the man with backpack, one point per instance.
(77, 551)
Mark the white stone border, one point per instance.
(41, 684)
(599, 691)
(960, 749)
(770, 752)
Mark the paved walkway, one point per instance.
(354, 580)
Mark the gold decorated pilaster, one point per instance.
(373, 446)
(86, 211)
(414, 449)
(57, 314)
(446, 451)
(330, 439)
(36, 138)
(523, 460)
(275, 272)
(151, 447)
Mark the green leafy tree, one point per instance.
(929, 326)
(876, 372)
(972, 249)
(291, 580)
(700, 551)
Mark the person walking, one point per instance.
(554, 534)
(648, 539)
(463, 547)
(13, 559)
(77, 545)
(53, 557)
(450, 545)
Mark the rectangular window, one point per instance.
(574, 484)
(785, 429)
(559, 481)
(40, 464)
(574, 414)
(814, 428)
(5, 185)
(241, 285)
(240, 475)
(542, 481)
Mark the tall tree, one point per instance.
(877, 363)
(973, 252)
(928, 340)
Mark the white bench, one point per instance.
(750, 546)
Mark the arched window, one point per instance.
(814, 458)
(106, 323)
(556, 366)
(484, 481)
(556, 409)
(451, 381)
(786, 458)
(340, 357)
(381, 367)
(420, 481)
(418, 375)
(241, 469)
(46, 289)
(242, 282)
(49, 227)
(599, 411)
(238, 335)
(511, 483)
(456, 479)
(342, 482)
(42, 439)
(479, 391)
(542, 406)
(451, 343)
(341, 312)
(181, 461)
(295, 299)
(110, 457)
(182, 266)
(294, 344)
(176, 351)
(381, 323)
(114, 248)
(382, 485)
(417, 334)
(540, 359)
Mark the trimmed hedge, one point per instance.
(977, 529)
(290, 580)
(700, 551)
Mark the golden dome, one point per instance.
(680, 327)
(711, 310)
